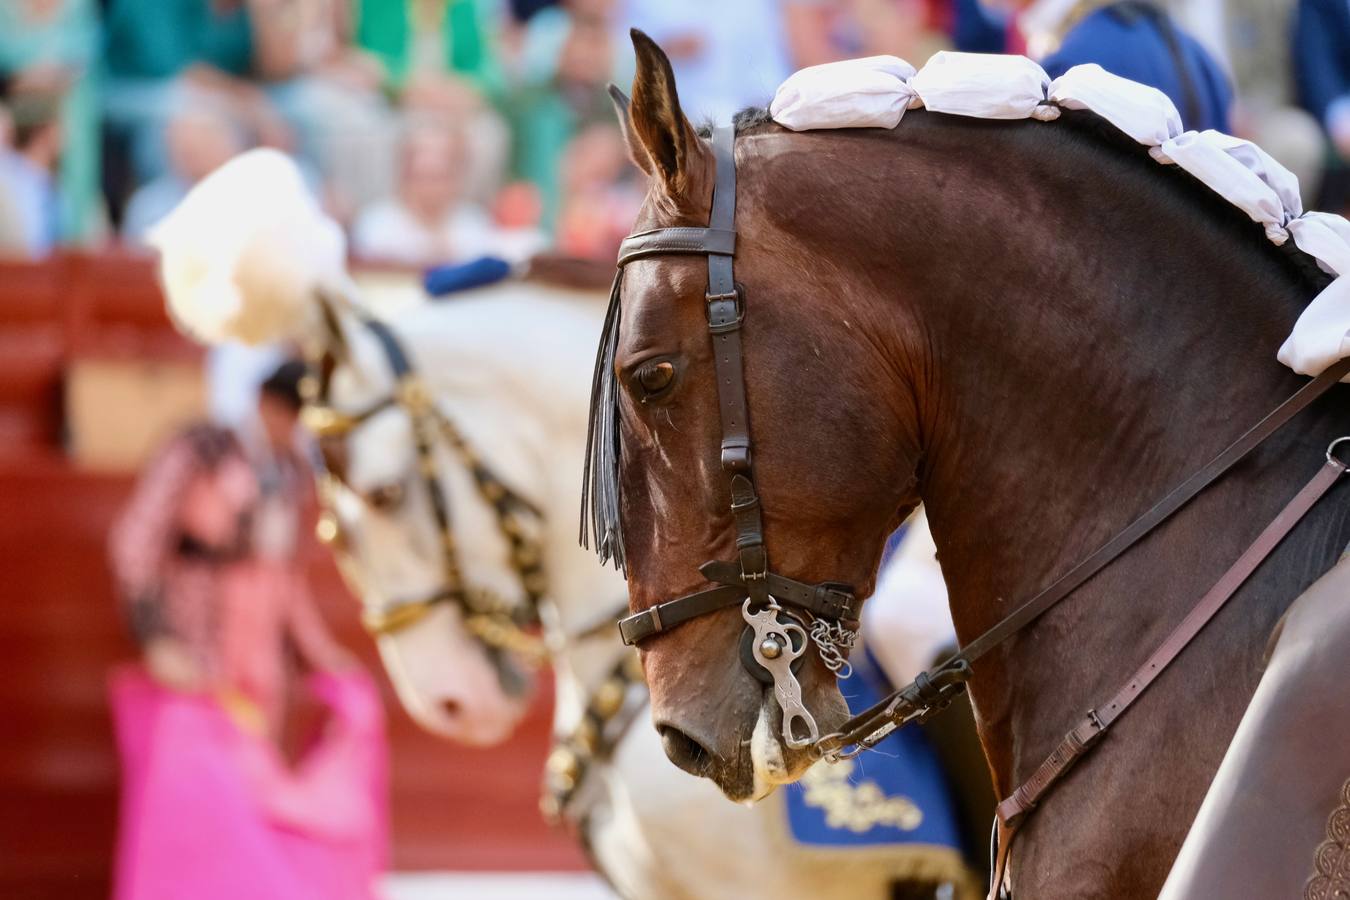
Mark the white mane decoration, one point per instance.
(875, 92)
(243, 253)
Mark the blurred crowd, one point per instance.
(440, 130)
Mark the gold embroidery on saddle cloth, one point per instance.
(1331, 878)
(858, 807)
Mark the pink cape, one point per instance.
(212, 813)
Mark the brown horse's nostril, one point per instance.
(685, 752)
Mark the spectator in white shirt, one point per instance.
(428, 221)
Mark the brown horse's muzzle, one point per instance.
(720, 722)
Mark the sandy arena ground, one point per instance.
(496, 886)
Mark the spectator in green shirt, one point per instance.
(568, 54)
(47, 52)
(439, 60)
(283, 70)
(162, 56)
(452, 37)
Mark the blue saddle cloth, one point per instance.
(895, 795)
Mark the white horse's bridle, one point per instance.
(491, 619)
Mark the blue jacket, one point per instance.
(1130, 39)
(978, 29)
(1322, 54)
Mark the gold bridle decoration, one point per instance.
(486, 616)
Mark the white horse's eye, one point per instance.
(386, 498)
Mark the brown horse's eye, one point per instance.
(655, 377)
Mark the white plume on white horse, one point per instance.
(243, 254)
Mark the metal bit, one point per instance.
(777, 637)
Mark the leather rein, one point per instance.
(833, 608)
(497, 624)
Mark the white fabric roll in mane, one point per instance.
(858, 93)
(875, 92)
(1145, 113)
(1241, 173)
(981, 85)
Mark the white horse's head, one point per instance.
(249, 256)
(444, 618)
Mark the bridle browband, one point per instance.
(497, 624)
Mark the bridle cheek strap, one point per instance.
(749, 575)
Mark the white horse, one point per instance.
(510, 367)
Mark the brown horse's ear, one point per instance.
(657, 127)
(636, 152)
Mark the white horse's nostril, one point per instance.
(451, 707)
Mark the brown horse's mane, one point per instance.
(1175, 185)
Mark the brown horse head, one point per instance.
(824, 442)
(1036, 329)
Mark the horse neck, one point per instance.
(1079, 362)
(583, 593)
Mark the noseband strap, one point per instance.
(824, 601)
(748, 575)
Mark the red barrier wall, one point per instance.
(453, 808)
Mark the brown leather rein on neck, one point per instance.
(931, 691)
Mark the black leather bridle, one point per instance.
(832, 608)
(610, 708)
